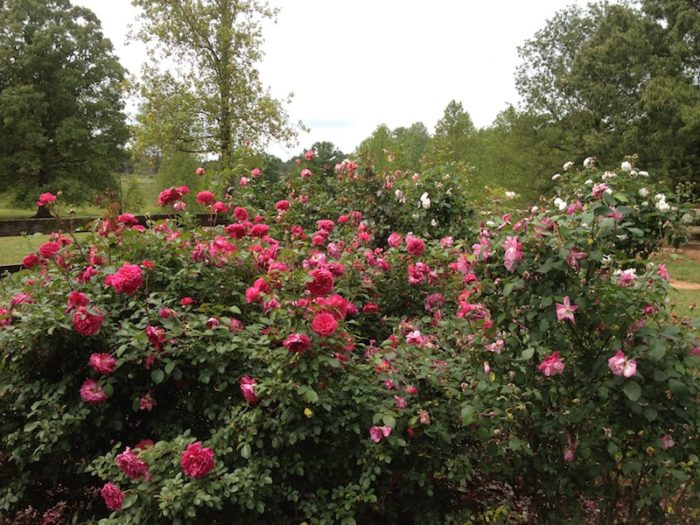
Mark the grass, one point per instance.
(681, 267)
(13, 249)
(141, 190)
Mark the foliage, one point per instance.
(213, 100)
(60, 97)
(613, 79)
(527, 371)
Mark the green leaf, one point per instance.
(169, 367)
(657, 349)
(467, 415)
(527, 354)
(245, 451)
(632, 390)
(389, 420)
(157, 376)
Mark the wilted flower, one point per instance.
(566, 310)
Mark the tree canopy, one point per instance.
(62, 125)
(212, 100)
(616, 81)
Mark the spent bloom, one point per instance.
(298, 343)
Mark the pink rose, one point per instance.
(297, 343)
(248, 389)
(621, 366)
(395, 240)
(49, 250)
(197, 461)
(282, 205)
(414, 245)
(376, 433)
(85, 322)
(114, 498)
(205, 198)
(131, 465)
(31, 260)
(92, 393)
(103, 363)
(46, 199)
(255, 172)
(552, 365)
(199, 171)
(322, 283)
(128, 279)
(324, 324)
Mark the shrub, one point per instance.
(182, 374)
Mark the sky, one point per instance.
(353, 65)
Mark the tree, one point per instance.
(452, 134)
(62, 125)
(616, 81)
(213, 101)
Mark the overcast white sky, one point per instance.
(353, 64)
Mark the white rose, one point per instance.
(568, 166)
(626, 167)
(643, 192)
(556, 176)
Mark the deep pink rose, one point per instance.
(31, 260)
(324, 324)
(103, 363)
(414, 245)
(282, 205)
(76, 300)
(49, 250)
(322, 283)
(131, 465)
(197, 461)
(199, 171)
(128, 218)
(205, 197)
(297, 343)
(127, 279)
(259, 230)
(45, 199)
(92, 393)
(85, 322)
(114, 498)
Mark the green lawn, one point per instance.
(140, 193)
(13, 249)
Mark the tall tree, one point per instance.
(62, 125)
(452, 134)
(212, 101)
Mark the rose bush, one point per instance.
(336, 374)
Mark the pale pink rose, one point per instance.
(376, 433)
(400, 402)
(621, 366)
(244, 181)
(255, 172)
(663, 272)
(667, 442)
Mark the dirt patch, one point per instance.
(684, 285)
(692, 251)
